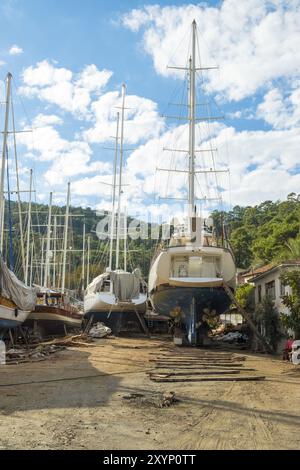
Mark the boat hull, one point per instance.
(102, 307)
(193, 302)
(105, 302)
(212, 298)
(54, 319)
(11, 317)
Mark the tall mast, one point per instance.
(31, 264)
(2, 225)
(120, 178)
(47, 260)
(65, 241)
(125, 240)
(28, 230)
(5, 135)
(112, 223)
(54, 252)
(88, 261)
(192, 106)
(42, 261)
(83, 256)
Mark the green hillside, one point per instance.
(267, 232)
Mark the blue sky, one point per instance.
(88, 49)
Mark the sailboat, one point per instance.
(116, 291)
(54, 312)
(16, 298)
(188, 279)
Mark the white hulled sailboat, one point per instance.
(187, 278)
(116, 292)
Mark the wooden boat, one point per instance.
(54, 313)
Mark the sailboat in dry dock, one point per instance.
(54, 312)
(188, 278)
(117, 293)
(16, 298)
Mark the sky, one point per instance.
(70, 58)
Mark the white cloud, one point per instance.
(59, 86)
(263, 165)
(253, 42)
(67, 158)
(42, 120)
(282, 112)
(15, 50)
(142, 120)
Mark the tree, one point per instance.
(241, 241)
(291, 301)
(244, 294)
(267, 315)
(291, 249)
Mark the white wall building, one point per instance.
(269, 284)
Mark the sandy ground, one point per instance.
(75, 400)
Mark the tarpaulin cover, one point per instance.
(12, 288)
(126, 286)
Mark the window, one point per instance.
(282, 288)
(259, 293)
(270, 290)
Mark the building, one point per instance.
(243, 276)
(267, 283)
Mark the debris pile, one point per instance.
(33, 352)
(158, 401)
(99, 330)
(38, 353)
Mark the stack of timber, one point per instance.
(198, 365)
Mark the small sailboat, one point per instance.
(116, 292)
(54, 312)
(187, 278)
(16, 298)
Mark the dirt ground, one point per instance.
(75, 400)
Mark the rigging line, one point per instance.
(182, 85)
(174, 155)
(210, 135)
(11, 254)
(18, 184)
(187, 33)
(29, 122)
